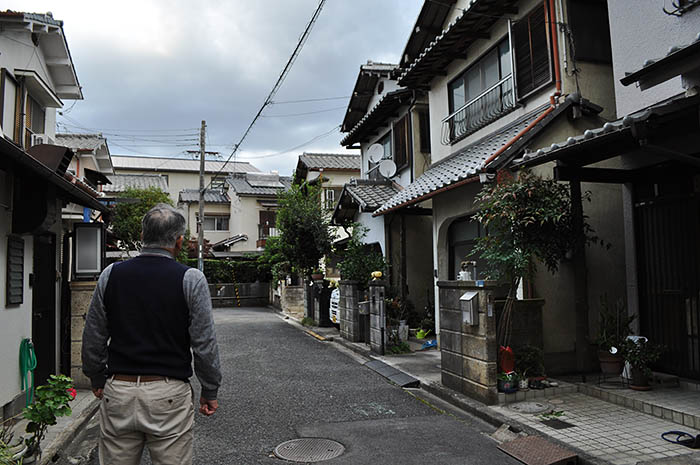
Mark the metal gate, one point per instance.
(668, 252)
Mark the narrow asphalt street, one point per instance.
(282, 384)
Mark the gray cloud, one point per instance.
(160, 65)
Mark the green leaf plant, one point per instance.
(50, 401)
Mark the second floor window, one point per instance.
(218, 182)
(481, 94)
(215, 223)
(35, 119)
(533, 64)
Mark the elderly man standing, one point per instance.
(147, 318)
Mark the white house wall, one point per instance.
(15, 321)
(642, 31)
(375, 229)
(191, 211)
(245, 217)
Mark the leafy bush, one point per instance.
(224, 271)
(126, 220)
(358, 260)
(51, 401)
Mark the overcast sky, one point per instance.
(152, 66)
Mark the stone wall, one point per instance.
(377, 317)
(81, 296)
(469, 352)
(349, 311)
(292, 300)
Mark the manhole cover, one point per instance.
(309, 450)
(530, 407)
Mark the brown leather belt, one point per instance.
(137, 378)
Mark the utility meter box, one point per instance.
(469, 304)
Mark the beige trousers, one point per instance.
(157, 414)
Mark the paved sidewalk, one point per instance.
(603, 432)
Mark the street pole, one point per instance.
(200, 219)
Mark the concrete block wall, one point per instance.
(377, 317)
(81, 296)
(292, 300)
(469, 352)
(349, 311)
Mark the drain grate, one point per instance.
(309, 450)
(558, 424)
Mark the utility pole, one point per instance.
(200, 219)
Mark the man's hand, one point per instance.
(98, 392)
(208, 407)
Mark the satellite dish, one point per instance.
(387, 168)
(375, 153)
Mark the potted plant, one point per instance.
(529, 361)
(51, 400)
(613, 329)
(317, 274)
(507, 382)
(640, 354)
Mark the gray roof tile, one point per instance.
(210, 196)
(464, 164)
(79, 142)
(259, 184)
(370, 195)
(164, 164)
(333, 161)
(121, 182)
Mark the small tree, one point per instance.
(273, 261)
(126, 222)
(305, 234)
(528, 219)
(358, 260)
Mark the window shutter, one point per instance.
(401, 142)
(532, 52)
(15, 270)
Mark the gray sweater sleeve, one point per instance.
(96, 335)
(205, 350)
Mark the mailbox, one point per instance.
(469, 304)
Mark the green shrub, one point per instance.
(224, 271)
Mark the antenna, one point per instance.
(375, 153)
(387, 168)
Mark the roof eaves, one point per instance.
(391, 98)
(654, 72)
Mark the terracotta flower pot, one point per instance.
(610, 364)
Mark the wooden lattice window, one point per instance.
(533, 62)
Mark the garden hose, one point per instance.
(27, 364)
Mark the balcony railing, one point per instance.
(490, 105)
(265, 231)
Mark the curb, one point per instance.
(69, 433)
(483, 412)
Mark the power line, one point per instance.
(303, 114)
(278, 84)
(276, 154)
(324, 99)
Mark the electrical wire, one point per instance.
(304, 114)
(276, 154)
(324, 99)
(276, 87)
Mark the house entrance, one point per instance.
(44, 305)
(667, 220)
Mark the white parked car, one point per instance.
(333, 308)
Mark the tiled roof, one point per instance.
(81, 142)
(363, 91)
(465, 164)
(120, 182)
(40, 17)
(164, 164)
(377, 115)
(254, 184)
(370, 195)
(678, 53)
(210, 196)
(330, 161)
(614, 134)
(473, 24)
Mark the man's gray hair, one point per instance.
(161, 226)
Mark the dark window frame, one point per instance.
(550, 52)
